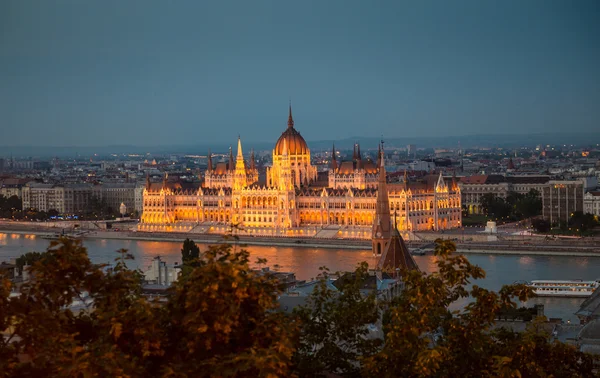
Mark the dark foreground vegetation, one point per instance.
(222, 319)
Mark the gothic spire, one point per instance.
(358, 157)
(252, 160)
(333, 159)
(147, 180)
(382, 224)
(239, 148)
(210, 165)
(239, 161)
(231, 160)
(290, 119)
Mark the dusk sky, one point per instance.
(184, 72)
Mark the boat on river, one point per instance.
(52, 236)
(564, 288)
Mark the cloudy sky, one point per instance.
(182, 72)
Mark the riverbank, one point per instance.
(542, 248)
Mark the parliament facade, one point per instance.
(294, 200)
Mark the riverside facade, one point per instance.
(292, 200)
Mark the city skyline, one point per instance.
(209, 72)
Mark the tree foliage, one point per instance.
(581, 221)
(425, 339)
(222, 320)
(27, 259)
(515, 205)
(218, 321)
(541, 225)
(334, 326)
(190, 251)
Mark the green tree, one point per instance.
(334, 326)
(494, 206)
(189, 252)
(27, 259)
(219, 321)
(222, 321)
(425, 339)
(541, 225)
(529, 205)
(582, 222)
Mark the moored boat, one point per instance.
(417, 252)
(564, 288)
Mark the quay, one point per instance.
(509, 246)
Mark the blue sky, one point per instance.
(183, 72)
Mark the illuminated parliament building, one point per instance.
(294, 199)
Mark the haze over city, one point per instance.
(150, 73)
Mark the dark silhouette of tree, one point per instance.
(27, 259)
(190, 251)
(425, 339)
(541, 225)
(222, 320)
(219, 321)
(334, 326)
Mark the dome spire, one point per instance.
(290, 119)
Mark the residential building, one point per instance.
(591, 203)
(12, 187)
(66, 199)
(114, 194)
(560, 198)
(474, 187)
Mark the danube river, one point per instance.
(305, 262)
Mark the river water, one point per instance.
(305, 262)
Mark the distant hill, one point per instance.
(466, 141)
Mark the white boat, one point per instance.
(564, 288)
(417, 252)
(52, 236)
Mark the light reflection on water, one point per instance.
(305, 262)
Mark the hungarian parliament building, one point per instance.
(294, 199)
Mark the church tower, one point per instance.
(382, 223)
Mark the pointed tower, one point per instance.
(379, 154)
(454, 184)
(210, 165)
(231, 164)
(290, 118)
(359, 164)
(441, 184)
(239, 159)
(333, 159)
(239, 178)
(354, 158)
(382, 225)
(147, 181)
(252, 161)
(165, 178)
(396, 256)
(511, 164)
(405, 180)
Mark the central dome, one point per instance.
(296, 145)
